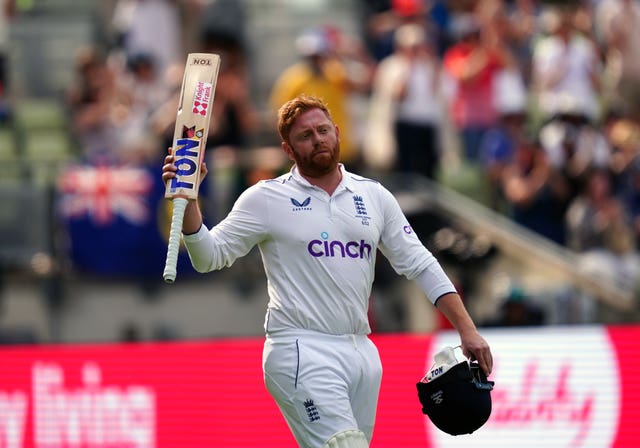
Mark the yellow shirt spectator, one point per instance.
(321, 75)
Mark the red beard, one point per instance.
(321, 161)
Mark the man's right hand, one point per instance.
(192, 220)
(169, 169)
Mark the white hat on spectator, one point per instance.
(409, 35)
(312, 43)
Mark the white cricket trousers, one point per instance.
(322, 383)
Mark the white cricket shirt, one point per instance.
(319, 251)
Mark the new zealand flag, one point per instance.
(117, 220)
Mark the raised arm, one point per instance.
(192, 216)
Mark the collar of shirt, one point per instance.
(345, 183)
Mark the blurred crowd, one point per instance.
(540, 98)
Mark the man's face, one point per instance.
(314, 144)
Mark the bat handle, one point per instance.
(170, 268)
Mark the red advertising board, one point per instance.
(561, 387)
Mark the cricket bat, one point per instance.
(189, 141)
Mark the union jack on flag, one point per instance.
(104, 192)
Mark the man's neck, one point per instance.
(327, 182)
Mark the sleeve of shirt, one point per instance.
(244, 227)
(406, 253)
(453, 62)
(434, 282)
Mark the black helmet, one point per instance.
(455, 395)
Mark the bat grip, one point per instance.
(170, 268)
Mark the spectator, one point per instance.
(535, 194)
(500, 31)
(320, 73)
(130, 332)
(566, 67)
(150, 27)
(383, 18)
(515, 25)
(472, 63)
(90, 101)
(624, 135)
(140, 91)
(574, 145)
(497, 150)
(111, 102)
(517, 310)
(618, 27)
(406, 103)
(596, 220)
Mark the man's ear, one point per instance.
(287, 149)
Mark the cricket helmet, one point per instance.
(455, 395)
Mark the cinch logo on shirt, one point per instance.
(335, 248)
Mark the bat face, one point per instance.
(192, 123)
(188, 151)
